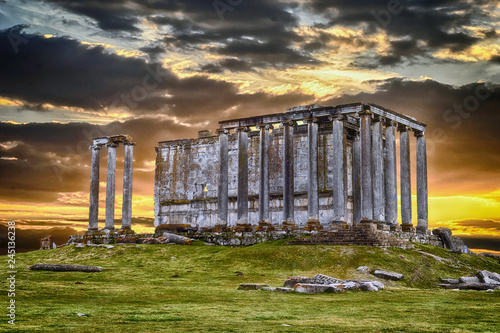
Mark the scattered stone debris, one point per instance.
(64, 268)
(388, 275)
(252, 286)
(491, 255)
(362, 269)
(79, 282)
(175, 276)
(126, 240)
(402, 257)
(80, 245)
(484, 280)
(319, 283)
(238, 273)
(81, 315)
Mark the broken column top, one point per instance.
(123, 139)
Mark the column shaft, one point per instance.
(94, 189)
(312, 192)
(356, 178)
(223, 195)
(110, 189)
(264, 174)
(127, 186)
(405, 176)
(391, 186)
(422, 196)
(242, 175)
(378, 171)
(366, 167)
(339, 170)
(288, 177)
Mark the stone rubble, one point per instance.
(484, 280)
(388, 275)
(319, 283)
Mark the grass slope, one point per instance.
(137, 293)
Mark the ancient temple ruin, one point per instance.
(111, 143)
(311, 167)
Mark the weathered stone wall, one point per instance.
(186, 178)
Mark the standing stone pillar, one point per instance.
(264, 173)
(94, 188)
(422, 196)
(339, 170)
(366, 167)
(110, 188)
(378, 172)
(288, 172)
(243, 175)
(127, 186)
(312, 192)
(223, 193)
(356, 178)
(391, 186)
(405, 178)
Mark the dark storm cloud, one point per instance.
(434, 24)
(482, 242)
(463, 130)
(233, 65)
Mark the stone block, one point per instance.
(252, 286)
(293, 280)
(368, 286)
(485, 276)
(324, 279)
(388, 275)
(126, 240)
(283, 289)
(353, 286)
(449, 281)
(362, 269)
(469, 279)
(311, 288)
(46, 243)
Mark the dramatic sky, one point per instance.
(164, 69)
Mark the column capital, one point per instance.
(389, 122)
(95, 147)
(289, 123)
(265, 126)
(220, 131)
(334, 117)
(419, 134)
(403, 128)
(365, 113)
(243, 129)
(112, 145)
(377, 118)
(312, 120)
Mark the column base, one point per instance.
(381, 225)
(313, 224)
(288, 226)
(338, 224)
(221, 228)
(422, 230)
(264, 226)
(243, 227)
(395, 227)
(366, 221)
(407, 227)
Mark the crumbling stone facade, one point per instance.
(312, 167)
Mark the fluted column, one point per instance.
(127, 186)
(422, 196)
(356, 178)
(405, 175)
(288, 176)
(378, 171)
(312, 192)
(366, 167)
(264, 172)
(339, 170)
(94, 188)
(391, 186)
(242, 174)
(110, 188)
(223, 193)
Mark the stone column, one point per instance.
(288, 176)
(243, 174)
(264, 173)
(110, 188)
(391, 186)
(127, 186)
(356, 178)
(312, 192)
(339, 170)
(378, 171)
(422, 204)
(366, 167)
(94, 189)
(405, 178)
(223, 193)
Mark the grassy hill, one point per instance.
(172, 288)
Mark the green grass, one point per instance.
(137, 293)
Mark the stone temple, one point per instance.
(310, 168)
